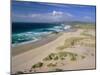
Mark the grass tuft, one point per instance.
(52, 56)
(82, 57)
(37, 65)
(61, 55)
(70, 42)
(51, 65)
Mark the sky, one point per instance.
(51, 12)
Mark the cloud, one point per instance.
(54, 16)
(56, 13)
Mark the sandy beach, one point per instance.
(52, 37)
(78, 47)
(28, 46)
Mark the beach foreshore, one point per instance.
(31, 45)
(24, 56)
(20, 48)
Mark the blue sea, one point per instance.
(25, 32)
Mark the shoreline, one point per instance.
(23, 47)
(32, 45)
(54, 32)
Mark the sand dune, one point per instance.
(24, 60)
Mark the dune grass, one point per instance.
(85, 33)
(82, 57)
(37, 65)
(61, 56)
(52, 56)
(70, 42)
(88, 42)
(51, 64)
(73, 56)
(85, 26)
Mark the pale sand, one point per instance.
(24, 61)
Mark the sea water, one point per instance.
(24, 32)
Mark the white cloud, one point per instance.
(54, 16)
(56, 13)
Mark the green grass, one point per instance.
(37, 65)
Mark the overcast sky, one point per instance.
(47, 12)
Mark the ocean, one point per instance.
(24, 32)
